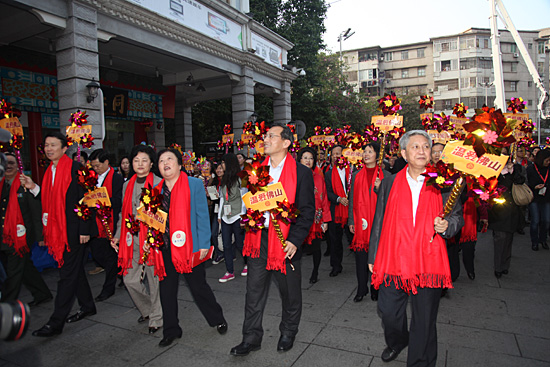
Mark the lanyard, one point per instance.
(543, 179)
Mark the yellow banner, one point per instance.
(259, 146)
(99, 194)
(465, 159)
(439, 137)
(353, 156)
(265, 200)
(458, 122)
(317, 139)
(76, 132)
(247, 138)
(157, 221)
(387, 123)
(13, 125)
(517, 116)
(226, 138)
(424, 115)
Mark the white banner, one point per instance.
(270, 52)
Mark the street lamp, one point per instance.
(341, 38)
(486, 85)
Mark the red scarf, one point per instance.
(54, 220)
(405, 254)
(322, 208)
(469, 231)
(108, 183)
(341, 211)
(14, 227)
(252, 241)
(126, 253)
(181, 237)
(364, 207)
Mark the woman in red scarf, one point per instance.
(307, 157)
(187, 232)
(146, 297)
(362, 198)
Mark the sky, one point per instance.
(397, 22)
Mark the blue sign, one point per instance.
(50, 121)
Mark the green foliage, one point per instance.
(208, 120)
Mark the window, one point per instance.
(513, 48)
(540, 68)
(445, 46)
(530, 46)
(513, 86)
(468, 63)
(472, 82)
(541, 48)
(473, 102)
(422, 71)
(405, 73)
(404, 55)
(485, 43)
(420, 52)
(446, 65)
(388, 56)
(346, 61)
(530, 102)
(363, 74)
(464, 83)
(514, 67)
(529, 84)
(389, 74)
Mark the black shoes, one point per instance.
(244, 348)
(505, 272)
(358, 298)
(102, 297)
(222, 328)
(79, 316)
(535, 247)
(37, 302)
(544, 245)
(46, 331)
(472, 275)
(142, 319)
(389, 354)
(498, 274)
(285, 343)
(166, 341)
(335, 273)
(153, 329)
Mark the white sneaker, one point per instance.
(245, 271)
(226, 278)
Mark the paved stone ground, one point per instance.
(486, 322)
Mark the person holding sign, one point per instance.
(268, 256)
(186, 235)
(146, 297)
(404, 261)
(362, 198)
(65, 234)
(101, 248)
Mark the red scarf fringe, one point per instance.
(14, 218)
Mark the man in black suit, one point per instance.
(19, 266)
(73, 281)
(102, 251)
(277, 140)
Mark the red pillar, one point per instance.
(35, 138)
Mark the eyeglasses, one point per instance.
(271, 136)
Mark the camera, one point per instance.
(14, 320)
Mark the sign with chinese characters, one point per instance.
(353, 156)
(387, 123)
(465, 159)
(13, 125)
(99, 194)
(517, 116)
(50, 121)
(439, 137)
(260, 147)
(426, 115)
(265, 200)
(247, 138)
(226, 138)
(76, 132)
(115, 102)
(458, 122)
(157, 220)
(270, 52)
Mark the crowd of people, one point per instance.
(404, 251)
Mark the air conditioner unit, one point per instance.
(516, 54)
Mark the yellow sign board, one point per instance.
(517, 116)
(458, 122)
(157, 221)
(247, 138)
(439, 137)
(424, 115)
(353, 156)
(226, 138)
(13, 125)
(76, 132)
(387, 123)
(465, 159)
(265, 200)
(99, 194)
(259, 146)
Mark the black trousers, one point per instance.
(468, 253)
(72, 282)
(362, 272)
(200, 291)
(107, 258)
(503, 250)
(21, 271)
(315, 248)
(422, 337)
(335, 232)
(257, 289)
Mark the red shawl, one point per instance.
(341, 211)
(252, 241)
(322, 207)
(108, 183)
(469, 231)
(126, 253)
(14, 227)
(405, 254)
(181, 237)
(364, 207)
(54, 220)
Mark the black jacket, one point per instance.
(305, 203)
(505, 217)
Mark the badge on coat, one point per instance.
(128, 239)
(179, 238)
(364, 224)
(45, 219)
(21, 230)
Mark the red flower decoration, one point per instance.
(151, 199)
(255, 176)
(87, 140)
(78, 118)
(426, 102)
(516, 105)
(484, 190)
(485, 120)
(132, 224)
(227, 128)
(441, 175)
(372, 133)
(253, 220)
(87, 178)
(82, 211)
(342, 162)
(16, 142)
(7, 110)
(460, 110)
(389, 104)
(285, 212)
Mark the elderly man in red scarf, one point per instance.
(404, 260)
(268, 257)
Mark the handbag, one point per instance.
(522, 194)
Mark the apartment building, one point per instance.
(455, 68)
